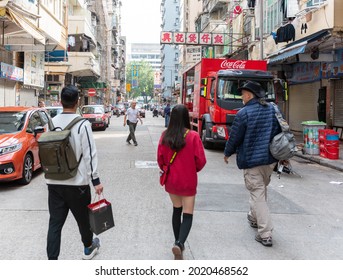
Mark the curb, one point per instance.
(336, 164)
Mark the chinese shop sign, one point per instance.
(192, 38)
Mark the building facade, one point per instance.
(29, 30)
(301, 40)
(45, 45)
(171, 13)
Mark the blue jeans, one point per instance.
(166, 120)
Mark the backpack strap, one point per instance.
(73, 122)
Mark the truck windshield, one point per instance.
(227, 89)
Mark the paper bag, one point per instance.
(100, 216)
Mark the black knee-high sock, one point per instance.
(185, 228)
(176, 221)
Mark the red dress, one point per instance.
(182, 178)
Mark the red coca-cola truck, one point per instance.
(209, 90)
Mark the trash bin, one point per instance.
(311, 136)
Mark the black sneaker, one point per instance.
(268, 241)
(251, 221)
(135, 144)
(90, 252)
(128, 142)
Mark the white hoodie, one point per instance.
(83, 144)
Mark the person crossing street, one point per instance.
(131, 119)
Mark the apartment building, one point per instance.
(45, 45)
(300, 39)
(171, 13)
(150, 53)
(302, 42)
(29, 29)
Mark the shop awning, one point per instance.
(56, 56)
(286, 53)
(25, 25)
(296, 47)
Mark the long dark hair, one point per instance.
(179, 121)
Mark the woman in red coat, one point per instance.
(182, 180)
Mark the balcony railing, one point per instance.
(214, 5)
(83, 64)
(80, 25)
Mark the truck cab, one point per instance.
(224, 101)
(211, 95)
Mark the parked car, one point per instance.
(54, 110)
(18, 142)
(97, 116)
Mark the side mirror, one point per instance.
(204, 81)
(38, 129)
(203, 92)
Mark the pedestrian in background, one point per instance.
(131, 119)
(41, 104)
(252, 130)
(74, 194)
(167, 110)
(182, 178)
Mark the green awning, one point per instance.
(96, 85)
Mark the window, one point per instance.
(228, 90)
(275, 16)
(315, 2)
(35, 121)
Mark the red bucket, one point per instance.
(332, 152)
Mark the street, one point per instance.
(306, 210)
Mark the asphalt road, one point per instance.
(306, 210)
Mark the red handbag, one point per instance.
(165, 168)
(164, 174)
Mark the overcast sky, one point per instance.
(141, 20)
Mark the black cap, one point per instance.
(253, 87)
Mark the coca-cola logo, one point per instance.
(236, 64)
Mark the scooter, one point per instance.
(155, 113)
(284, 166)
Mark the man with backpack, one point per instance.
(253, 128)
(74, 193)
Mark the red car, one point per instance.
(96, 115)
(18, 142)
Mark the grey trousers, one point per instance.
(256, 181)
(132, 129)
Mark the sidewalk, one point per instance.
(335, 164)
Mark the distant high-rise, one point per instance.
(170, 10)
(150, 53)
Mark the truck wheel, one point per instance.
(207, 145)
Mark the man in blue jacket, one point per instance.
(253, 128)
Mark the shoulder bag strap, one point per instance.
(283, 123)
(174, 155)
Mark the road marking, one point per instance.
(145, 164)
